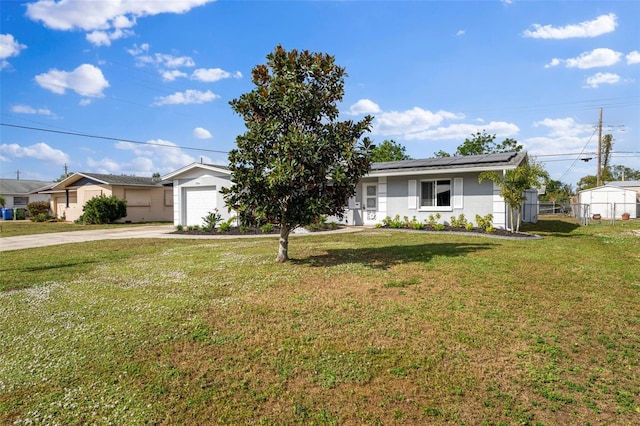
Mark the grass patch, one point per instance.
(481, 331)
(402, 283)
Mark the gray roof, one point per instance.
(498, 160)
(19, 186)
(123, 179)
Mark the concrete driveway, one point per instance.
(151, 231)
(43, 240)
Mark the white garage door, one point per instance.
(198, 202)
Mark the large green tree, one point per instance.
(295, 162)
(483, 143)
(389, 150)
(513, 183)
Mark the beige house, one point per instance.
(148, 200)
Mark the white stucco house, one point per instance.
(196, 192)
(419, 188)
(613, 199)
(448, 186)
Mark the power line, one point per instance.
(87, 135)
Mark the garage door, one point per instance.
(198, 202)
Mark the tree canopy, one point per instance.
(483, 143)
(295, 162)
(389, 150)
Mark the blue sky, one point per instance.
(153, 79)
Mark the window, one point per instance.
(137, 197)
(20, 201)
(435, 193)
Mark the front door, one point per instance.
(370, 201)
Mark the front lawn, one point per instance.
(374, 327)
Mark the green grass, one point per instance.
(376, 327)
(10, 228)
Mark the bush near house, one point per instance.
(39, 211)
(103, 209)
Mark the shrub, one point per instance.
(267, 228)
(103, 209)
(485, 222)
(415, 224)
(469, 226)
(226, 225)
(39, 211)
(179, 228)
(396, 222)
(211, 220)
(433, 220)
(41, 217)
(439, 227)
(459, 222)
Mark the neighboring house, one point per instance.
(419, 188)
(17, 193)
(448, 186)
(148, 200)
(611, 200)
(196, 192)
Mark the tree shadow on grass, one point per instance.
(550, 227)
(389, 256)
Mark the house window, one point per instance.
(137, 197)
(20, 201)
(435, 193)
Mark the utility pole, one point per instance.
(66, 170)
(599, 173)
(17, 174)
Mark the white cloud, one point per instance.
(410, 122)
(603, 24)
(462, 131)
(563, 135)
(39, 151)
(201, 133)
(560, 127)
(103, 16)
(86, 80)
(213, 74)
(364, 106)
(9, 47)
(104, 38)
(460, 33)
(26, 109)
(602, 78)
(160, 156)
(187, 97)
(601, 57)
(633, 58)
(172, 75)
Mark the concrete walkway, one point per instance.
(151, 231)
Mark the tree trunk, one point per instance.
(511, 225)
(283, 247)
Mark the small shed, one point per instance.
(610, 201)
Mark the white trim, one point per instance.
(412, 197)
(458, 194)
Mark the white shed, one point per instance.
(196, 192)
(610, 202)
